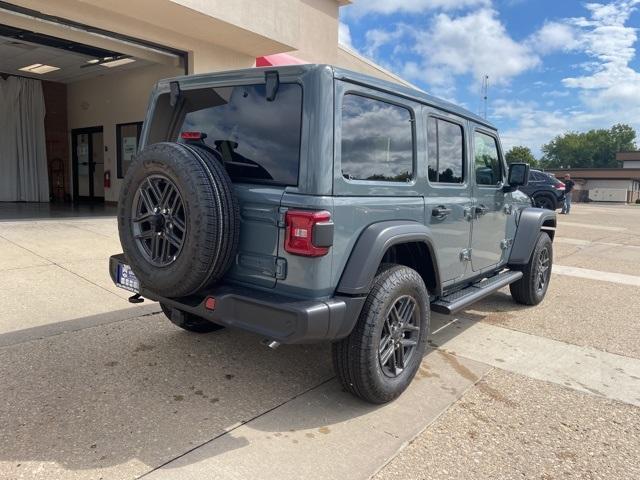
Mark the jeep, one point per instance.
(310, 203)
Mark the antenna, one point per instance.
(485, 94)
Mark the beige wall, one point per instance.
(318, 36)
(111, 99)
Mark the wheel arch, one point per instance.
(531, 222)
(404, 242)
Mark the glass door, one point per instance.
(88, 164)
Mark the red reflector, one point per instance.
(299, 233)
(193, 135)
(210, 303)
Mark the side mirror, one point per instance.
(518, 176)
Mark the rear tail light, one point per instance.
(559, 186)
(309, 234)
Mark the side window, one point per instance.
(445, 151)
(488, 166)
(377, 140)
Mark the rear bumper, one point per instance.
(276, 317)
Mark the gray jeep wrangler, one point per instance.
(309, 203)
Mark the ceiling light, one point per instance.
(39, 68)
(117, 63)
(95, 60)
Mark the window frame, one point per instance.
(140, 125)
(501, 160)
(249, 180)
(465, 160)
(412, 121)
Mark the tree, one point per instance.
(520, 154)
(592, 149)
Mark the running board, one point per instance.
(463, 298)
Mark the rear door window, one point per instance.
(377, 140)
(445, 151)
(258, 140)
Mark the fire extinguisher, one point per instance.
(107, 179)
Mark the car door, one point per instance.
(448, 202)
(491, 212)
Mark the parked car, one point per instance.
(309, 203)
(545, 190)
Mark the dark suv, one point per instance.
(309, 203)
(545, 190)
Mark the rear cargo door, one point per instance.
(257, 137)
(257, 260)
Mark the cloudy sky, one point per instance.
(553, 65)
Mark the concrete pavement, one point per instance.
(96, 388)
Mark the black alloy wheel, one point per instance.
(543, 270)
(159, 222)
(399, 336)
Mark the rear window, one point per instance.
(257, 139)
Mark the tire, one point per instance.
(356, 358)
(545, 201)
(527, 290)
(190, 322)
(197, 237)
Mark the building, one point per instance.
(75, 76)
(603, 184)
(629, 159)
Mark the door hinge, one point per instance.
(506, 243)
(465, 255)
(282, 211)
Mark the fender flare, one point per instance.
(369, 249)
(530, 223)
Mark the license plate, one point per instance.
(127, 279)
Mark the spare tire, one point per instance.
(178, 219)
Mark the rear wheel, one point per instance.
(188, 321)
(532, 287)
(545, 201)
(380, 357)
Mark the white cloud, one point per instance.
(555, 36)
(610, 43)
(476, 43)
(344, 35)
(607, 92)
(385, 7)
(377, 38)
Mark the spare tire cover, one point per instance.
(178, 219)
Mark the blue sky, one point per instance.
(553, 65)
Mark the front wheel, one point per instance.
(188, 321)
(532, 287)
(380, 357)
(545, 201)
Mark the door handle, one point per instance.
(440, 212)
(481, 210)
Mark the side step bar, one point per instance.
(463, 298)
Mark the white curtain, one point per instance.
(23, 155)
